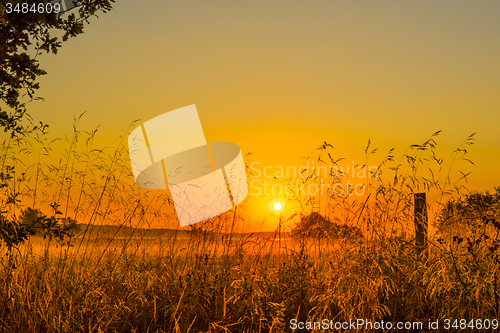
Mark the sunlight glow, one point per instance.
(277, 206)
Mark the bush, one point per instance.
(470, 214)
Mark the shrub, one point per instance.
(315, 225)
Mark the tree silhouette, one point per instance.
(33, 222)
(315, 225)
(475, 210)
(23, 36)
(19, 70)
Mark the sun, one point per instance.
(277, 206)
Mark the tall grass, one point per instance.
(207, 279)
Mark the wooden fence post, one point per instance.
(421, 223)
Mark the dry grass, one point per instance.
(211, 281)
(152, 287)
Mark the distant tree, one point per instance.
(474, 210)
(34, 222)
(30, 217)
(315, 225)
(19, 70)
(12, 233)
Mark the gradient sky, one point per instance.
(280, 77)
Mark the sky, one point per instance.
(279, 78)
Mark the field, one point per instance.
(246, 284)
(116, 274)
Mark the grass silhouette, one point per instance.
(116, 275)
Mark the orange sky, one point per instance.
(279, 78)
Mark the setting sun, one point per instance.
(277, 206)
